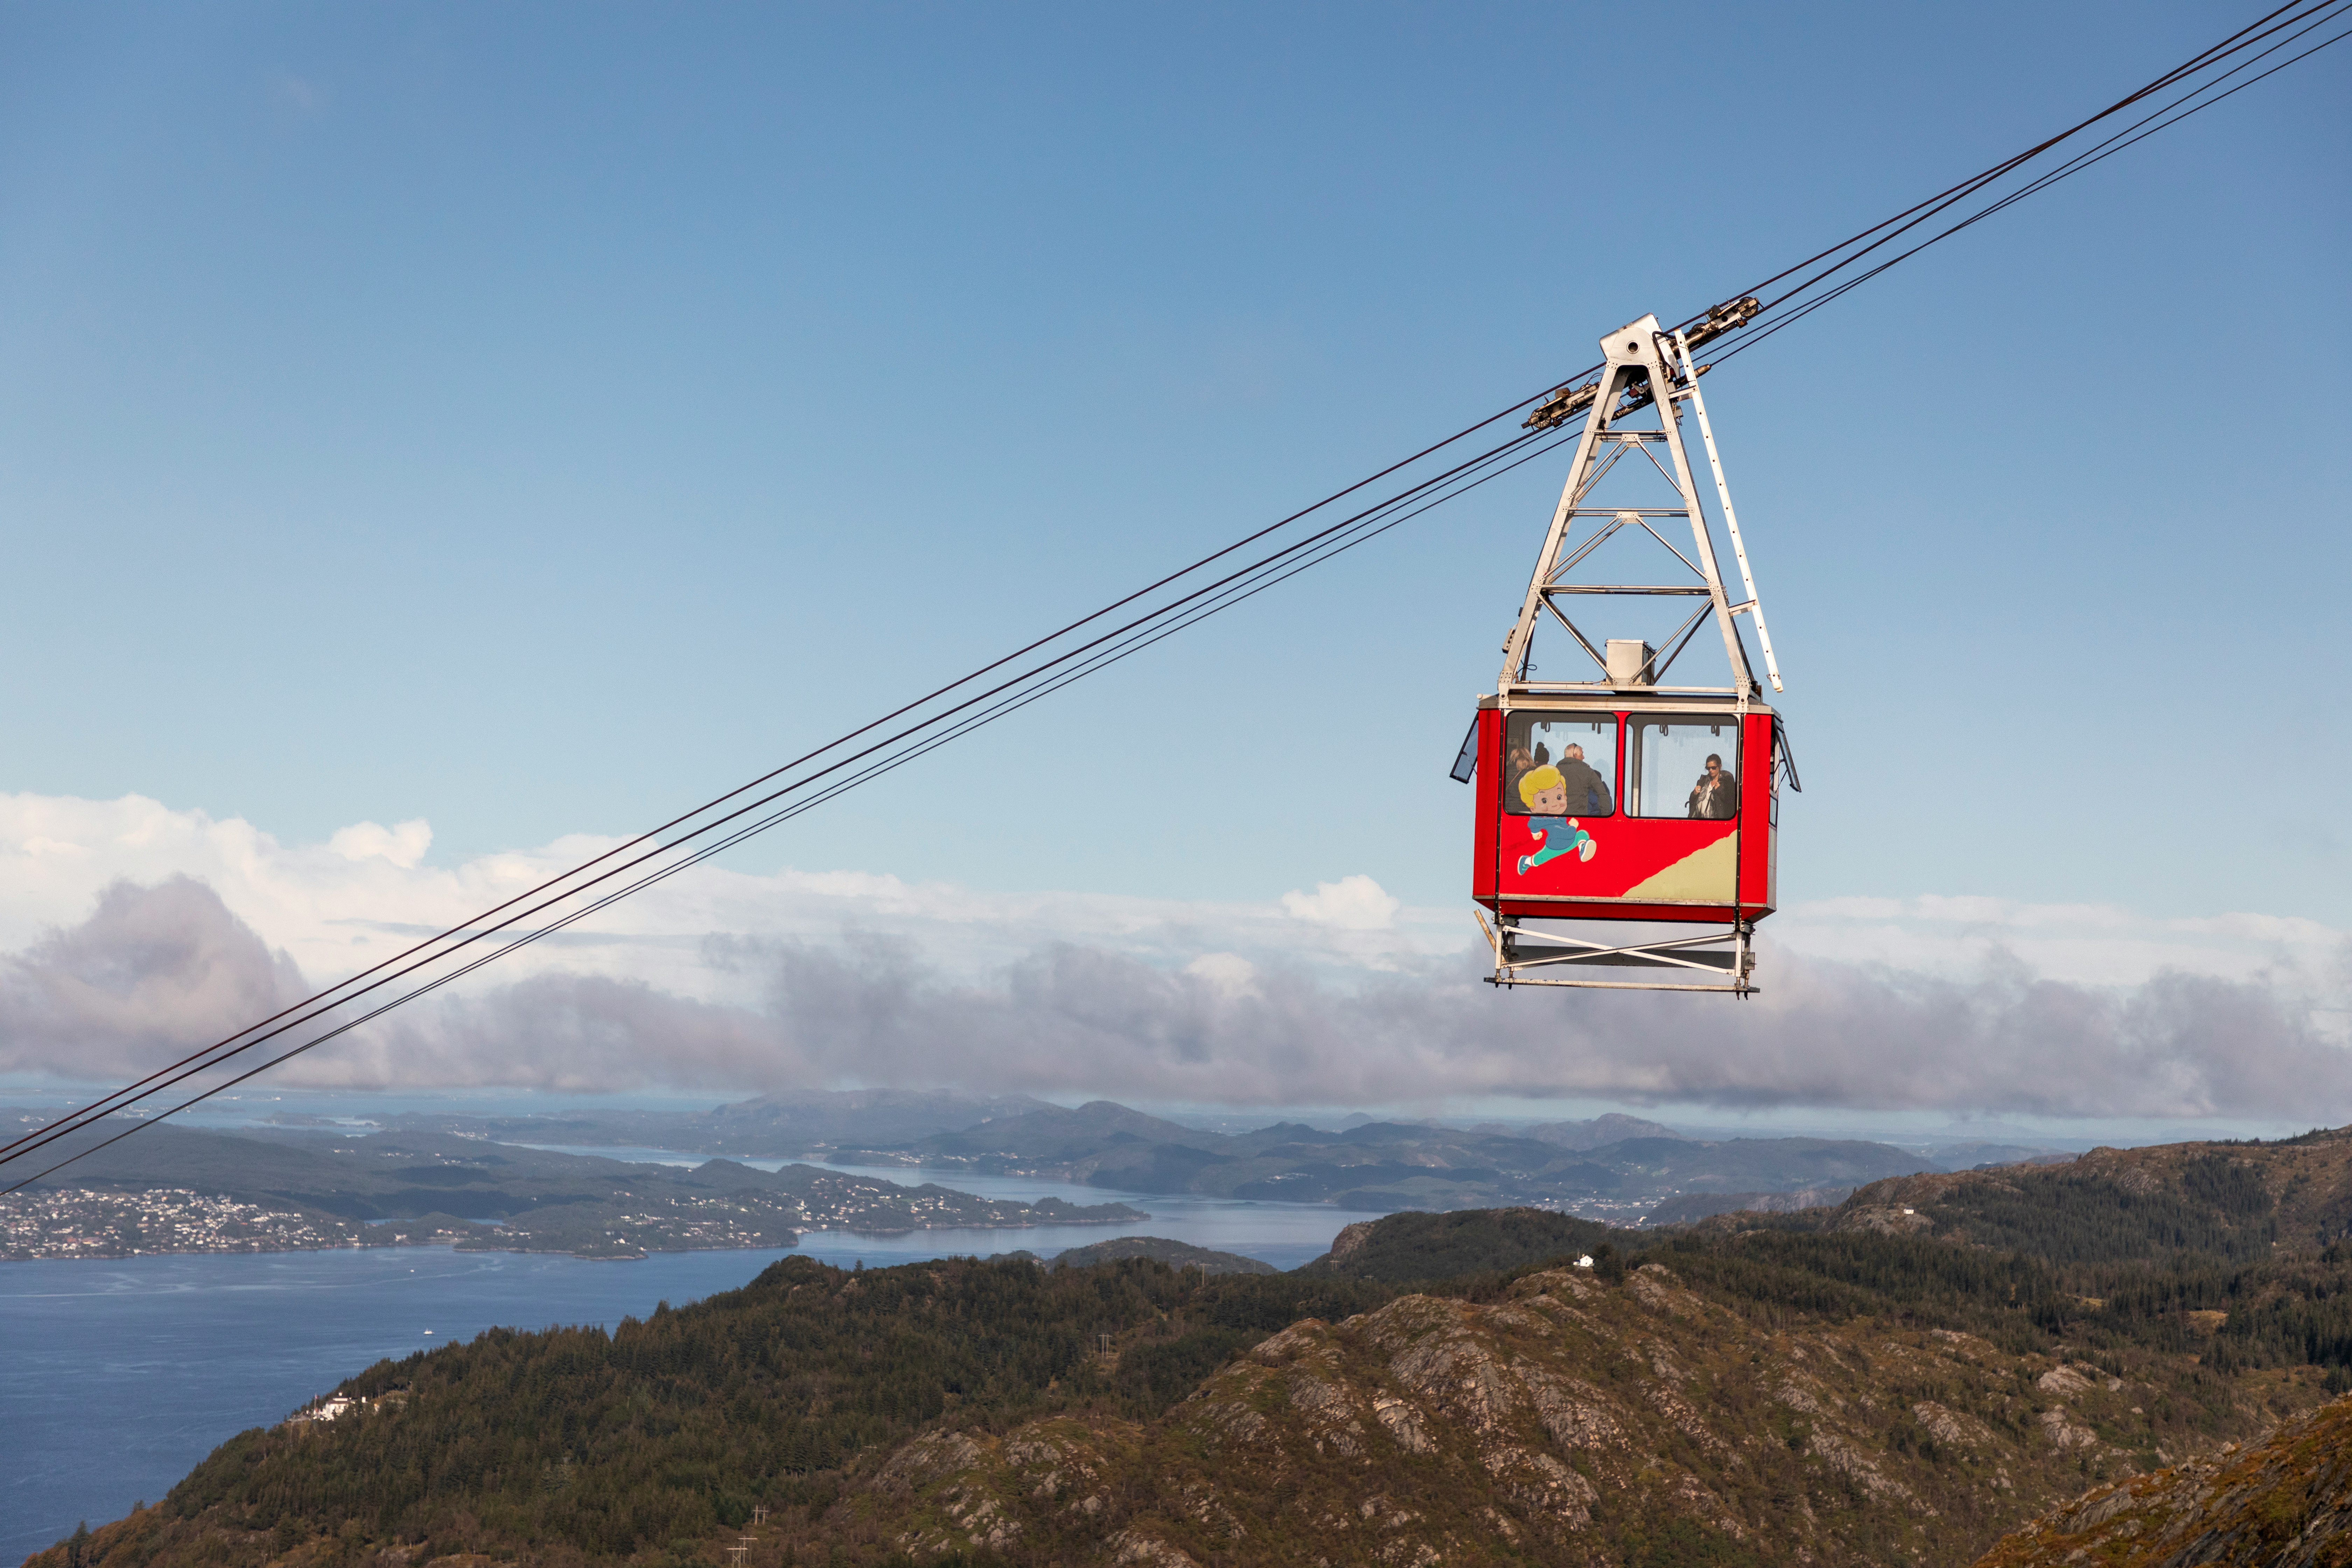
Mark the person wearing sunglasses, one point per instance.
(1715, 796)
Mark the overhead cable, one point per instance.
(932, 720)
(1095, 653)
(2286, 24)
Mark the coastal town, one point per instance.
(640, 1209)
(80, 1223)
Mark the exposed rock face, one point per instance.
(1351, 1238)
(1574, 1422)
(2283, 1503)
(959, 1490)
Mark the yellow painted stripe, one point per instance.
(1707, 876)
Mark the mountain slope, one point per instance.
(2231, 1201)
(1615, 1127)
(2286, 1502)
(1404, 1247)
(1573, 1421)
(1614, 1167)
(1883, 1383)
(598, 1448)
(1175, 1254)
(1760, 1390)
(796, 1122)
(1384, 1166)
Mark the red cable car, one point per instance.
(1619, 796)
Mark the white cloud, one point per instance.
(2089, 944)
(138, 932)
(368, 893)
(1229, 973)
(151, 973)
(403, 844)
(1351, 903)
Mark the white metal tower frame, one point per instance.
(1640, 359)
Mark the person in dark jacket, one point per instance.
(1588, 792)
(1715, 796)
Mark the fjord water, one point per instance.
(118, 1375)
(1284, 1235)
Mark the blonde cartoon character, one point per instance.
(1544, 792)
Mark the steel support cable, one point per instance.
(2160, 120)
(2244, 39)
(327, 999)
(1358, 533)
(2095, 154)
(1256, 580)
(1942, 201)
(466, 936)
(349, 986)
(2173, 75)
(2166, 118)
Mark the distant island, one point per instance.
(1618, 1168)
(492, 1182)
(177, 1190)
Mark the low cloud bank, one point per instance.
(153, 973)
(157, 970)
(1072, 1019)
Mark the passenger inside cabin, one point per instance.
(1588, 792)
(1715, 796)
(1517, 761)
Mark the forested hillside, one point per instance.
(1904, 1378)
(2237, 1252)
(674, 1428)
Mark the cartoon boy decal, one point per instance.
(1544, 792)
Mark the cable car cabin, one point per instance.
(1605, 812)
(1612, 795)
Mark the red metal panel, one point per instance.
(1639, 869)
(1618, 784)
(1488, 787)
(1756, 814)
(1626, 852)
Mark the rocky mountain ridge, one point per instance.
(2283, 1502)
(1574, 1420)
(1730, 1411)
(1908, 1377)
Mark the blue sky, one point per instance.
(535, 422)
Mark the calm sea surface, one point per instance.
(117, 1376)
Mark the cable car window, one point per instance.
(1684, 767)
(1558, 765)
